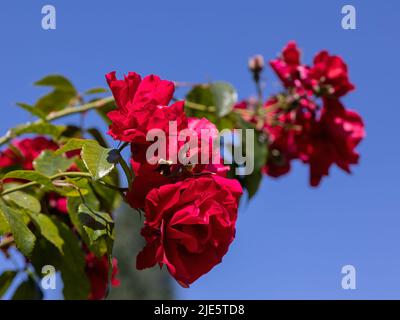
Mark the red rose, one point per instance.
(331, 71)
(189, 226)
(97, 272)
(332, 140)
(149, 176)
(281, 127)
(141, 106)
(29, 149)
(287, 65)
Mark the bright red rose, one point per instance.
(149, 176)
(331, 72)
(97, 271)
(142, 105)
(189, 226)
(331, 140)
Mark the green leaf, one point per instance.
(73, 204)
(225, 97)
(41, 128)
(260, 153)
(4, 226)
(6, 279)
(229, 121)
(99, 230)
(32, 110)
(72, 144)
(220, 95)
(110, 199)
(24, 200)
(95, 91)
(29, 175)
(28, 290)
(48, 229)
(94, 235)
(94, 218)
(71, 264)
(97, 159)
(57, 82)
(63, 93)
(24, 238)
(252, 183)
(49, 164)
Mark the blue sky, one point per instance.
(291, 240)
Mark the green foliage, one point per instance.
(41, 128)
(49, 164)
(96, 91)
(98, 160)
(62, 95)
(32, 110)
(99, 229)
(22, 199)
(4, 226)
(252, 182)
(23, 236)
(72, 144)
(29, 175)
(28, 218)
(217, 100)
(48, 229)
(49, 237)
(73, 204)
(71, 263)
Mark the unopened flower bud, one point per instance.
(256, 63)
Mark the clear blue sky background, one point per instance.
(291, 240)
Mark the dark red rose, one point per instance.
(189, 226)
(97, 271)
(331, 73)
(331, 140)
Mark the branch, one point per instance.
(83, 108)
(63, 113)
(54, 177)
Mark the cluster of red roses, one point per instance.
(190, 211)
(299, 127)
(21, 156)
